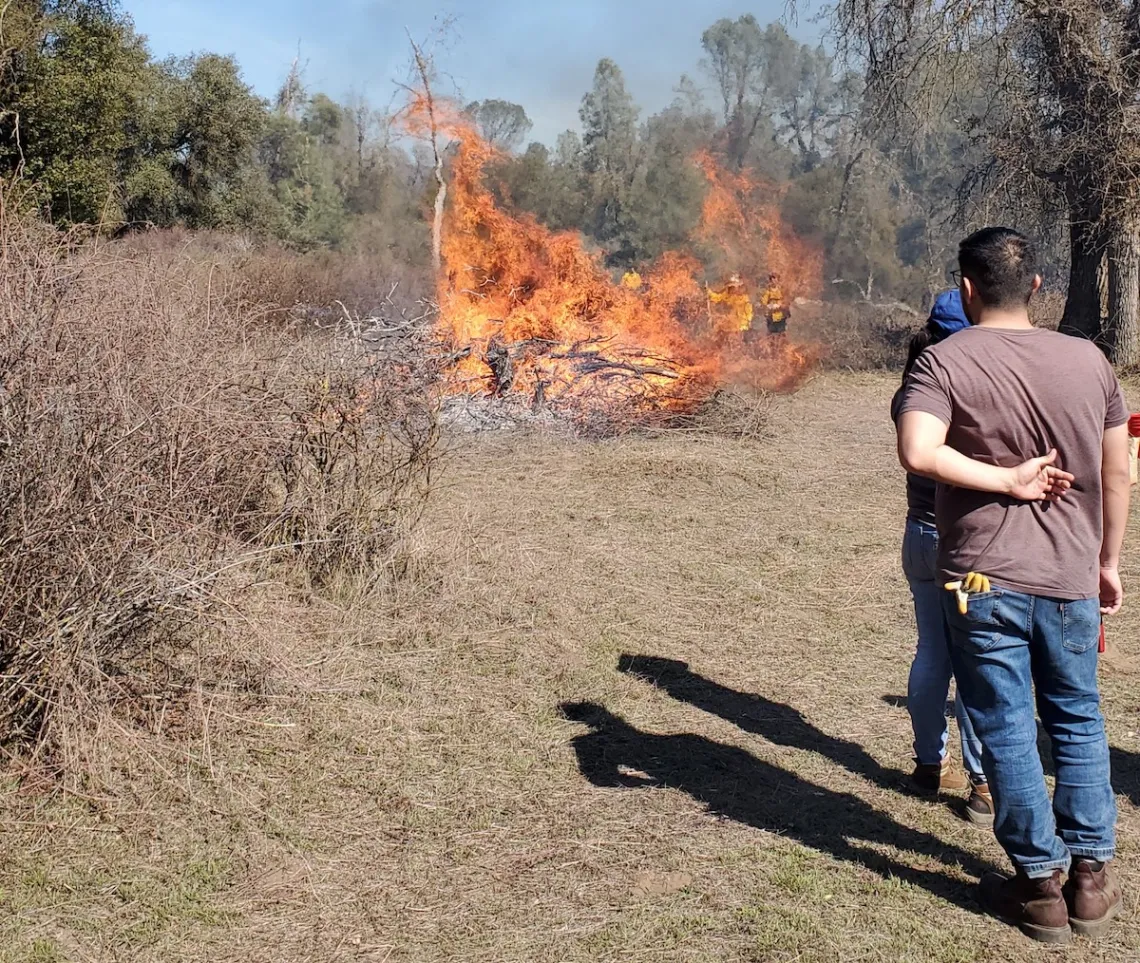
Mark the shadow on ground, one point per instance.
(775, 721)
(738, 786)
(901, 701)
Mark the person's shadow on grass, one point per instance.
(736, 785)
(1126, 773)
(775, 721)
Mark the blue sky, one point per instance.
(539, 53)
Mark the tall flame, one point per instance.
(533, 315)
(741, 217)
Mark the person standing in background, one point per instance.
(930, 672)
(775, 306)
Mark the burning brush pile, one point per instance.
(535, 326)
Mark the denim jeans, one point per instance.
(931, 671)
(1006, 646)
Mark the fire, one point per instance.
(533, 316)
(742, 219)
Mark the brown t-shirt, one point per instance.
(1011, 395)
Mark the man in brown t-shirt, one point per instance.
(1025, 432)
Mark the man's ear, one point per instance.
(1037, 282)
(969, 297)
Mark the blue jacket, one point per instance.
(947, 315)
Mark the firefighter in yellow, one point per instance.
(736, 318)
(775, 306)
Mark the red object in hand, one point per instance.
(1100, 645)
(1134, 426)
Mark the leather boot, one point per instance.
(980, 806)
(1034, 906)
(943, 777)
(1093, 895)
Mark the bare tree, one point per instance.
(368, 130)
(425, 72)
(1055, 115)
(292, 95)
(738, 57)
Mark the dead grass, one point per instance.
(498, 762)
(279, 283)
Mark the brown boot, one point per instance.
(945, 777)
(1034, 906)
(1094, 897)
(980, 806)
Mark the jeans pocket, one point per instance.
(920, 552)
(1080, 625)
(980, 628)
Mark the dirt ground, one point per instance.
(643, 702)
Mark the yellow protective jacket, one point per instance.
(739, 305)
(772, 297)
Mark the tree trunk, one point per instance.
(1121, 335)
(437, 220)
(1102, 286)
(426, 70)
(1086, 252)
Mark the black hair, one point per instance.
(1002, 264)
(922, 339)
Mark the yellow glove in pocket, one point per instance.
(975, 583)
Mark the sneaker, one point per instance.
(1093, 896)
(1034, 906)
(943, 777)
(980, 806)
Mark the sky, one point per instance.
(539, 53)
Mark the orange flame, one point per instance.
(535, 316)
(741, 217)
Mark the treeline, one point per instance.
(102, 133)
(792, 119)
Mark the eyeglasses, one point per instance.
(956, 276)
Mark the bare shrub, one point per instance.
(352, 475)
(859, 336)
(731, 413)
(149, 418)
(323, 283)
(283, 284)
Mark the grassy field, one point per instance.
(643, 701)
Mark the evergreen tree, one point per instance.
(609, 152)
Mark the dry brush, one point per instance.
(161, 431)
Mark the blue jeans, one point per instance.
(1007, 645)
(931, 671)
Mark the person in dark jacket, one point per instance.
(930, 672)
